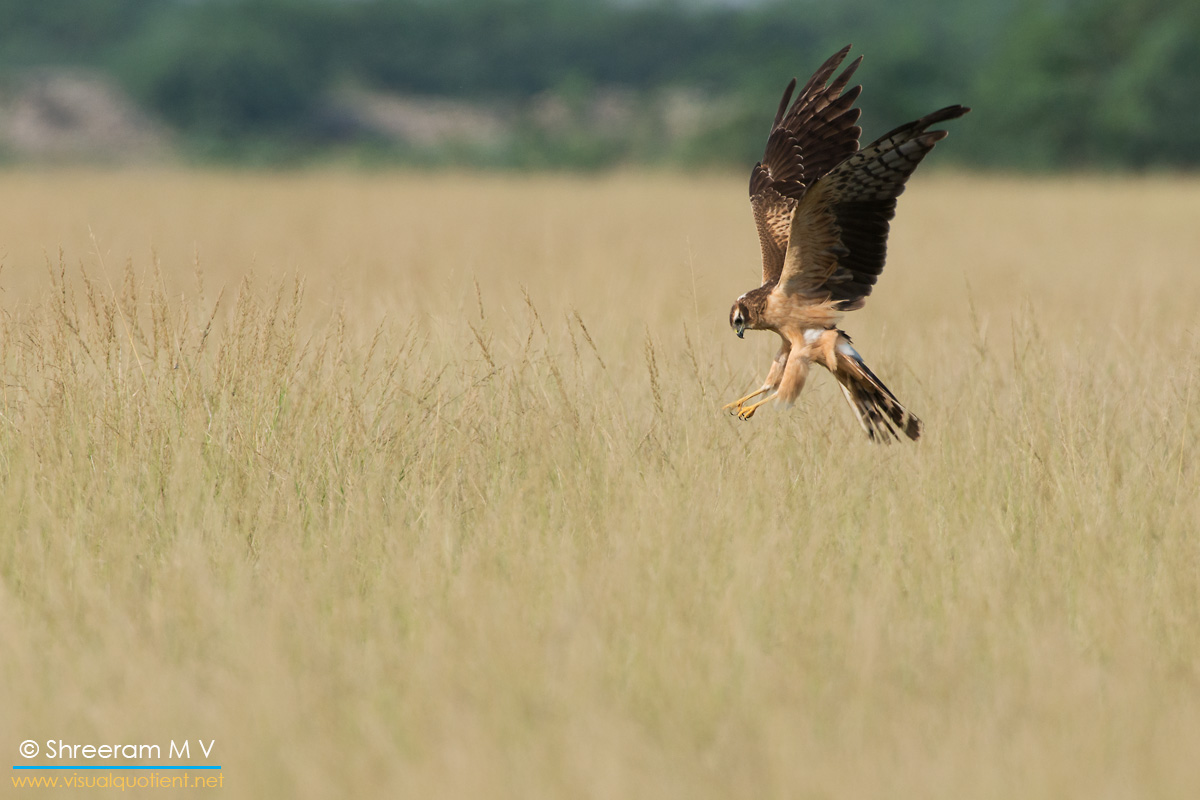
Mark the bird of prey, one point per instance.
(822, 206)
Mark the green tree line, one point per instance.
(1054, 83)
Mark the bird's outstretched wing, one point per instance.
(838, 234)
(816, 134)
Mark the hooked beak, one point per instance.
(740, 330)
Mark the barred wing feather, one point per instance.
(837, 241)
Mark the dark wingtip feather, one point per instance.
(845, 77)
(943, 114)
(822, 74)
(919, 125)
(783, 104)
(832, 62)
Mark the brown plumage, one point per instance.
(823, 208)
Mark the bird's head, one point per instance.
(739, 317)
(750, 312)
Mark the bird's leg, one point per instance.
(771, 383)
(736, 405)
(747, 413)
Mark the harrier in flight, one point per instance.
(822, 206)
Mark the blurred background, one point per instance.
(575, 84)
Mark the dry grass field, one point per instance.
(418, 486)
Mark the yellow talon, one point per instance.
(736, 406)
(747, 413)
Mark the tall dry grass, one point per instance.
(419, 486)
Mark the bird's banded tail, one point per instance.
(879, 412)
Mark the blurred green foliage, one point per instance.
(1054, 83)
